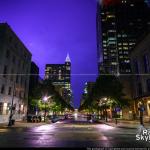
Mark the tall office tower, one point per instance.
(120, 22)
(60, 75)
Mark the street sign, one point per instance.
(141, 109)
(117, 109)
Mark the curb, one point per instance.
(25, 126)
(118, 126)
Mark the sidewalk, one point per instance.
(23, 124)
(125, 124)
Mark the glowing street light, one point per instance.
(45, 100)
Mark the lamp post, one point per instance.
(105, 101)
(12, 103)
(141, 109)
(45, 100)
(100, 105)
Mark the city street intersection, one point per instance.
(70, 133)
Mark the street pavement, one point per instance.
(71, 133)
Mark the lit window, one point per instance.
(131, 43)
(131, 5)
(125, 48)
(111, 30)
(127, 61)
(111, 38)
(124, 35)
(111, 16)
(114, 63)
(4, 108)
(125, 43)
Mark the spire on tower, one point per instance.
(67, 58)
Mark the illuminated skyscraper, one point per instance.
(60, 75)
(119, 25)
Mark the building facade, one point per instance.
(33, 82)
(15, 62)
(120, 22)
(34, 77)
(140, 64)
(60, 75)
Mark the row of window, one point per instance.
(12, 76)
(17, 46)
(20, 94)
(14, 60)
(6, 107)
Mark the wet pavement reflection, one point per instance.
(70, 133)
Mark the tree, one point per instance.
(106, 87)
(55, 102)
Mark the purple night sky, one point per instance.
(51, 28)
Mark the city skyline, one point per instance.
(57, 28)
(75, 74)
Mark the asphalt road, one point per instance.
(70, 133)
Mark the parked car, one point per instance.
(55, 119)
(29, 118)
(34, 118)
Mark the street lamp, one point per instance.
(104, 102)
(141, 109)
(12, 103)
(45, 100)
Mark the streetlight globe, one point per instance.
(45, 98)
(105, 98)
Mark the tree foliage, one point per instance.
(108, 86)
(55, 102)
